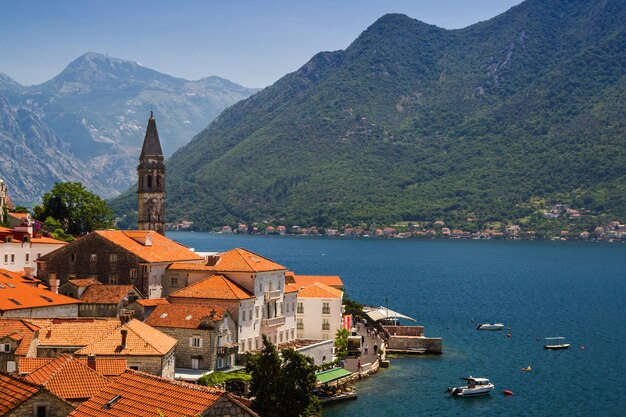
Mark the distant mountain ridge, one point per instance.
(413, 122)
(98, 106)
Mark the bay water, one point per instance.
(536, 288)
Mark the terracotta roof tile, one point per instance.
(306, 280)
(19, 330)
(216, 287)
(136, 394)
(73, 332)
(47, 240)
(160, 249)
(68, 378)
(106, 294)
(319, 290)
(291, 288)
(182, 316)
(236, 260)
(84, 282)
(151, 302)
(141, 340)
(104, 366)
(14, 391)
(16, 294)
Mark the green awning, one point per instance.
(331, 375)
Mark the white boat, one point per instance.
(555, 343)
(474, 387)
(490, 326)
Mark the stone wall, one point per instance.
(68, 310)
(55, 407)
(227, 406)
(207, 354)
(407, 343)
(404, 330)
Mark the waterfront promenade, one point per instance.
(368, 360)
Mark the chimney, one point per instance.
(54, 282)
(28, 271)
(91, 361)
(124, 334)
(213, 313)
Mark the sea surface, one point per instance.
(537, 288)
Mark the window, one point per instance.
(292, 333)
(195, 341)
(325, 308)
(6, 258)
(8, 239)
(250, 314)
(26, 239)
(195, 363)
(38, 255)
(133, 273)
(300, 324)
(134, 367)
(12, 258)
(41, 411)
(94, 258)
(300, 308)
(113, 279)
(72, 257)
(113, 258)
(27, 258)
(6, 347)
(256, 315)
(325, 324)
(174, 282)
(11, 366)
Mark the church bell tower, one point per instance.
(151, 184)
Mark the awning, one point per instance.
(331, 375)
(382, 313)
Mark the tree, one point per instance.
(77, 210)
(282, 387)
(341, 343)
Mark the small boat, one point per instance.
(555, 343)
(474, 387)
(490, 326)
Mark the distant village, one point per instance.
(612, 231)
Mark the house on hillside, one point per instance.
(20, 398)
(206, 337)
(106, 300)
(137, 394)
(20, 248)
(114, 257)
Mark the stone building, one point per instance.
(106, 300)
(18, 339)
(114, 257)
(136, 394)
(151, 182)
(20, 398)
(76, 287)
(206, 336)
(144, 348)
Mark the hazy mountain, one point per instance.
(415, 122)
(99, 107)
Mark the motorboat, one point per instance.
(555, 343)
(490, 326)
(474, 387)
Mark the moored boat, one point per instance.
(474, 387)
(490, 326)
(555, 343)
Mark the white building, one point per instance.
(19, 250)
(319, 311)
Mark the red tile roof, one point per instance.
(104, 366)
(216, 287)
(306, 280)
(159, 249)
(236, 260)
(182, 316)
(319, 290)
(15, 294)
(14, 391)
(19, 330)
(68, 378)
(141, 340)
(73, 332)
(84, 282)
(151, 302)
(47, 240)
(106, 294)
(137, 394)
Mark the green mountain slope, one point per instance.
(413, 122)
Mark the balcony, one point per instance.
(227, 349)
(273, 322)
(272, 295)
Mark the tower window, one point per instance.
(149, 181)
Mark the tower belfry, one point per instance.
(151, 184)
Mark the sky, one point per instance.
(252, 43)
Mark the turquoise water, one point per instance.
(538, 289)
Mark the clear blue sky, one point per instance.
(253, 43)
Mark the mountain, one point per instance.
(413, 122)
(98, 106)
(32, 157)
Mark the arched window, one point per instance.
(149, 181)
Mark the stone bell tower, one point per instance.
(151, 184)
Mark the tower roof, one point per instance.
(151, 144)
